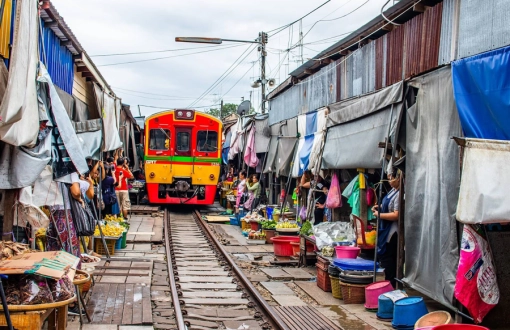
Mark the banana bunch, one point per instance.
(108, 230)
(286, 225)
(110, 217)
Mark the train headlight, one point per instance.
(152, 175)
(211, 176)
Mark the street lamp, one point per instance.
(262, 40)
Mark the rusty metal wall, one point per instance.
(312, 93)
(394, 55)
(381, 49)
(483, 26)
(421, 41)
(5, 29)
(448, 40)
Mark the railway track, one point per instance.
(208, 289)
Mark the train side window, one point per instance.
(207, 141)
(183, 141)
(159, 139)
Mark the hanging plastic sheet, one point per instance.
(67, 101)
(250, 156)
(273, 145)
(46, 191)
(483, 196)
(286, 147)
(19, 119)
(67, 153)
(262, 133)
(4, 77)
(110, 122)
(482, 89)
(432, 187)
(234, 142)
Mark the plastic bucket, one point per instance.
(295, 248)
(373, 291)
(407, 312)
(118, 243)
(282, 247)
(254, 225)
(434, 319)
(124, 240)
(347, 252)
(460, 327)
(385, 308)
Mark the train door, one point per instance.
(183, 146)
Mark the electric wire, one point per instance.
(165, 57)
(232, 67)
(240, 78)
(147, 93)
(382, 14)
(157, 51)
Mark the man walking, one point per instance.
(123, 174)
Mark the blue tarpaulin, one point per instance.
(481, 87)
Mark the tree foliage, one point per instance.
(228, 109)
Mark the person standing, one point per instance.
(241, 187)
(123, 174)
(253, 187)
(387, 241)
(320, 193)
(108, 190)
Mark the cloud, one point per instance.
(119, 26)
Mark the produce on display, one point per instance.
(369, 238)
(61, 289)
(12, 292)
(111, 229)
(34, 290)
(10, 249)
(268, 224)
(306, 228)
(256, 235)
(327, 251)
(287, 225)
(89, 259)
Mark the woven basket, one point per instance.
(336, 290)
(352, 293)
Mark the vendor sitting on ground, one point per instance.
(387, 241)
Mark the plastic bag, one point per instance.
(302, 213)
(476, 287)
(334, 198)
(61, 289)
(328, 232)
(12, 292)
(35, 290)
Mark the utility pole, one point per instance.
(221, 109)
(263, 54)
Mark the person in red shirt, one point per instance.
(123, 174)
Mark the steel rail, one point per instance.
(275, 319)
(179, 320)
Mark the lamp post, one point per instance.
(261, 40)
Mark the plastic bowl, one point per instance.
(408, 311)
(347, 252)
(282, 247)
(460, 327)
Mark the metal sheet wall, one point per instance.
(381, 49)
(448, 41)
(59, 60)
(394, 55)
(421, 41)
(483, 26)
(5, 29)
(312, 93)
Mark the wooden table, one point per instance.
(32, 317)
(303, 255)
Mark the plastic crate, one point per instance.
(99, 249)
(335, 287)
(323, 280)
(323, 262)
(245, 225)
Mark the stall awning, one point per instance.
(286, 146)
(349, 110)
(355, 143)
(483, 196)
(262, 133)
(273, 144)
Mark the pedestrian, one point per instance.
(387, 236)
(253, 187)
(241, 187)
(320, 193)
(108, 190)
(123, 174)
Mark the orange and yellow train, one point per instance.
(182, 155)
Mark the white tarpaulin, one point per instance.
(46, 191)
(109, 107)
(483, 196)
(19, 116)
(29, 213)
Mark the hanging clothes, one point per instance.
(250, 156)
(352, 192)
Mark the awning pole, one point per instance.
(380, 193)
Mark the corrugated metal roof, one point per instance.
(447, 41)
(395, 54)
(483, 26)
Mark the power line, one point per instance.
(240, 78)
(165, 57)
(157, 51)
(121, 90)
(232, 67)
(280, 29)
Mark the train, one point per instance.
(182, 157)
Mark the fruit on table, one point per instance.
(109, 230)
(286, 225)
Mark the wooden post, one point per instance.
(9, 202)
(401, 232)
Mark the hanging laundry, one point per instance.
(250, 156)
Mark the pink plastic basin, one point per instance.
(348, 252)
(459, 327)
(373, 291)
(282, 247)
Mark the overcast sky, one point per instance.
(126, 26)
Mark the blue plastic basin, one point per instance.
(407, 311)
